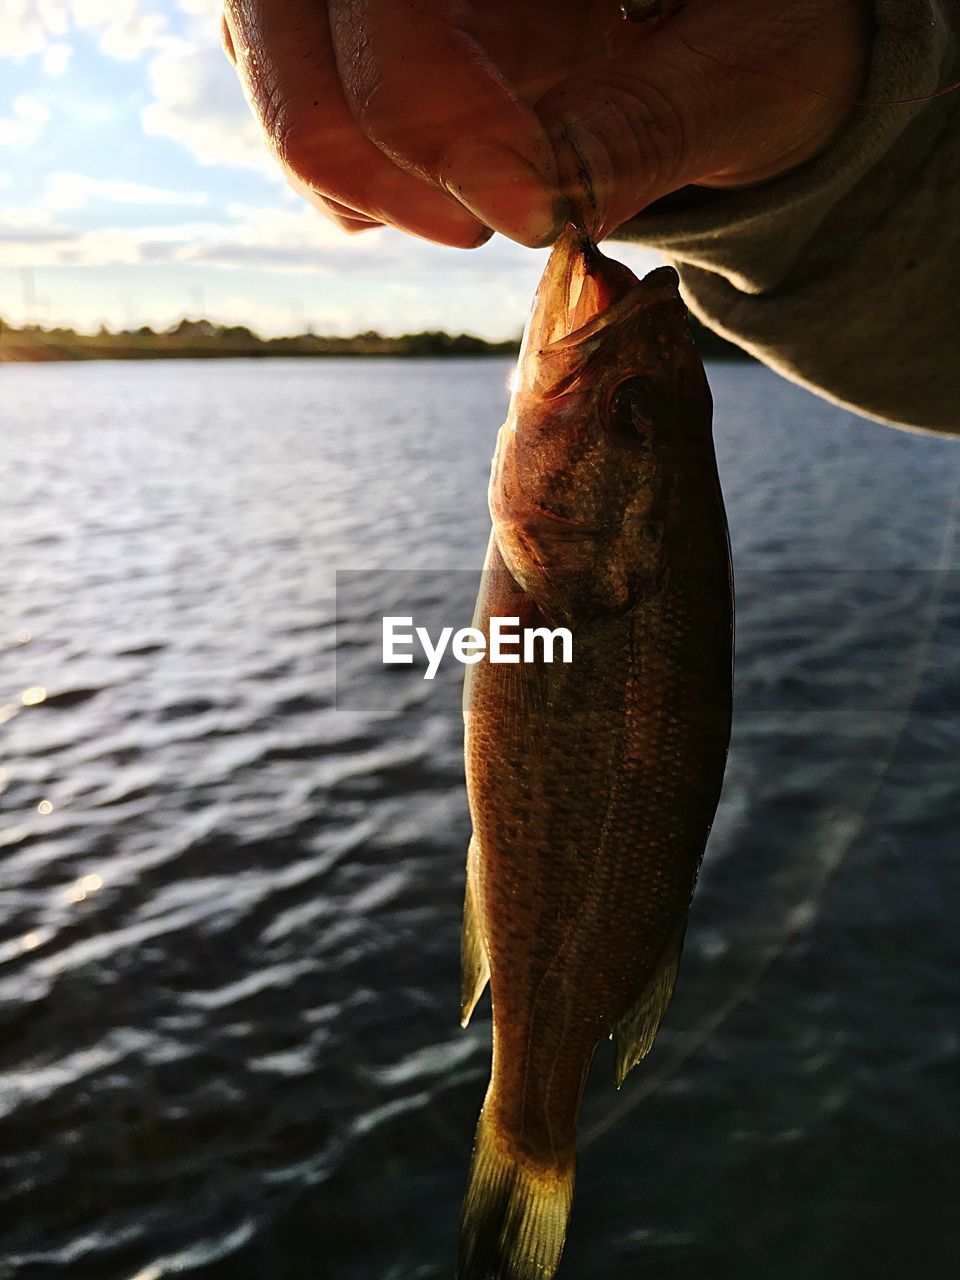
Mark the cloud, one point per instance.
(56, 57)
(300, 228)
(16, 219)
(71, 190)
(26, 124)
(205, 12)
(28, 26)
(198, 102)
(250, 236)
(257, 238)
(27, 239)
(29, 236)
(125, 29)
(200, 20)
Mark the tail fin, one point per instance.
(514, 1218)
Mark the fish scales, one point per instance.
(592, 784)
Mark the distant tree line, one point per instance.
(202, 339)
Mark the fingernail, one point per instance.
(503, 190)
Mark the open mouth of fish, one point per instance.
(583, 293)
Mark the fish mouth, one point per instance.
(582, 296)
(582, 292)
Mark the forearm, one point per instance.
(844, 275)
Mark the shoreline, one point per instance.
(202, 340)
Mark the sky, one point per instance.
(135, 189)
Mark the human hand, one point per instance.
(447, 118)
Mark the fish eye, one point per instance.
(632, 407)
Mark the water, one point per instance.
(228, 952)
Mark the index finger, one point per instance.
(423, 89)
(284, 57)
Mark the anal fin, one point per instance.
(474, 966)
(635, 1033)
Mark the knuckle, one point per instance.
(335, 214)
(289, 130)
(298, 142)
(383, 110)
(666, 130)
(647, 129)
(278, 121)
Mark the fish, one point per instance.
(593, 783)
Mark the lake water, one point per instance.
(229, 1042)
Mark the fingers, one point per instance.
(622, 138)
(422, 89)
(284, 57)
(710, 98)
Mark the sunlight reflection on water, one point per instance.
(228, 964)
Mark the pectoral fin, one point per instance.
(474, 966)
(634, 1034)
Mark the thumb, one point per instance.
(722, 95)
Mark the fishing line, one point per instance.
(695, 1040)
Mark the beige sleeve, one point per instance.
(844, 275)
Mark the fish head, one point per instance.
(610, 414)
